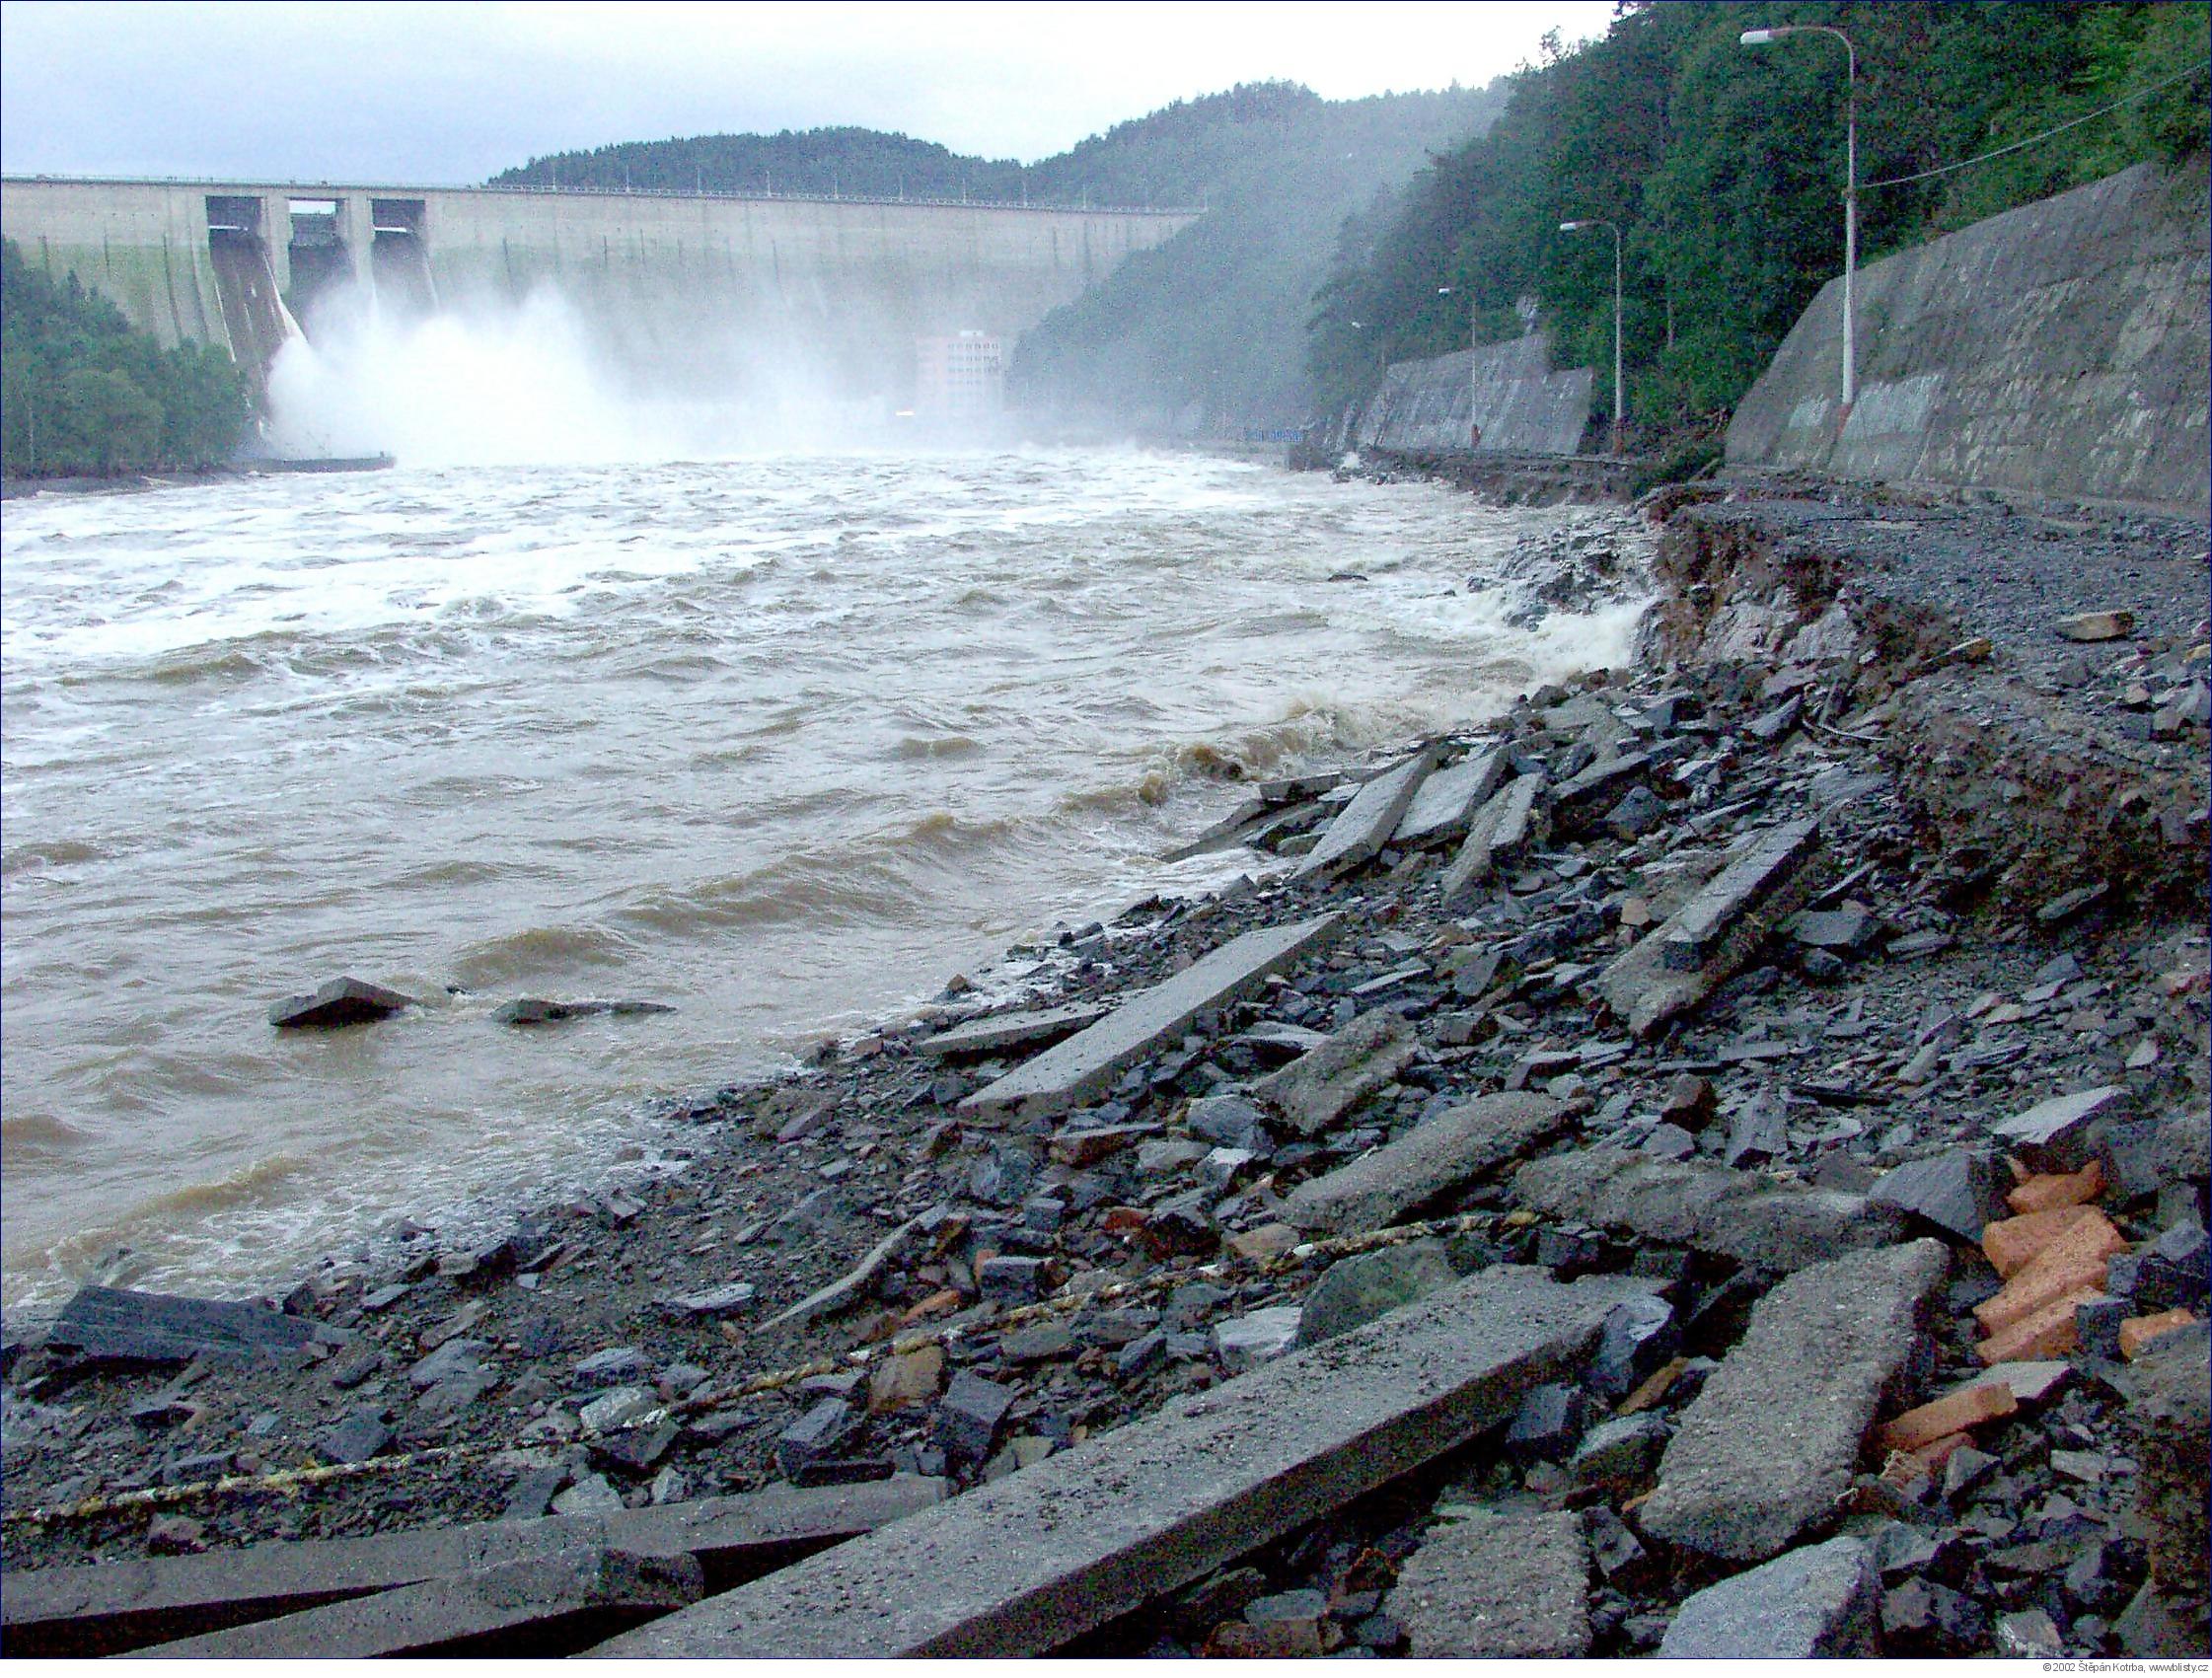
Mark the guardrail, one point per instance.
(309, 188)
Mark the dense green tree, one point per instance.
(1724, 168)
(82, 392)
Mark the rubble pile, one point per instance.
(1652, 982)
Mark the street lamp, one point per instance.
(1765, 37)
(1619, 404)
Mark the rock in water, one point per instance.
(536, 1010)
(341, 1002)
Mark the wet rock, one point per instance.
(1366, 1286)
(538, 1010)
(1489, 1586)
(1821, 1602)
(341, 1002)
(113, 1325)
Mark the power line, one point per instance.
(2037, 139)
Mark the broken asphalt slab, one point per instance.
(1769, 1445)
(995, 1031)
(1365, 825)
(1490, 1586)
(1022, 1565)
(1070, 1073)
(111, 1606)
(1435, 1156)
(540, 1606)
(115, 1324)
(1759, 1221)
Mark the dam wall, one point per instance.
(2059, 349)
(683, 293)
(1497, 398)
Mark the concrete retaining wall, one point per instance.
(686, 292)
(1507, 390)
(2058, 349)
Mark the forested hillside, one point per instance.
(1205, 332)
(853, 162)
(86, 395)
(1723, 165)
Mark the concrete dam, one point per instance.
(698, 297)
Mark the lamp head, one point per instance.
(1756, 37)
(1573, 225)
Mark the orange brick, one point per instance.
(2048, 1333)
(2051, 1194)
(2138, 1331)
(1936, 1453)
(2072, 1262)
(1953, 1414)
(2011, 1242)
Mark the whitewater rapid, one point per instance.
(783, 741)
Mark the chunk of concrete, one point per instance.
(1821, 1602)
(2111, 626)
(1365, 825)
(1496, 1586)
(548, 1604)
(1025, 1565)
(341, 1002)
(1759, 1221)
(1246, 1342)
(1698, 931)
(1448, 1151)
(1321, 1087)
(1070, 1073)
(1769, 1444)
(2060, 1135)
(1449, 799)
(1577, 799)
(111, 1606)
(115, 1324)
(1506, 826)
(1011, 1031)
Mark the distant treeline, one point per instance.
(1724, 165)
(83, 395)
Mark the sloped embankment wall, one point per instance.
(1508, 389)
(2058, 349)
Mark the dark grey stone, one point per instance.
(113, 1325)
(1618, 1456)
(1638, 1336)
(357, 1438)
(1487, 1586)
(1956, 1192)
(817, 1433)
(969, 1415)
(341, 1002)
(611, 1367)
(1548, 1424)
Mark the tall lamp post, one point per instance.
(1765, 37)
(1620, 408)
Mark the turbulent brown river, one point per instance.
(783, 743)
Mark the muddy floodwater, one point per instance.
(782, 743)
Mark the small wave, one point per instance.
(50, 853)
(912, 747)
(25, 1138)
(245, 1187)
(871, 877)
(541, 950)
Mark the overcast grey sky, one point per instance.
(427, 94)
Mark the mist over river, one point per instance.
(783, 741)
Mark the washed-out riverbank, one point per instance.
(775, 742)
(1478, 1049)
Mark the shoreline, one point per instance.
(1094, 1266)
